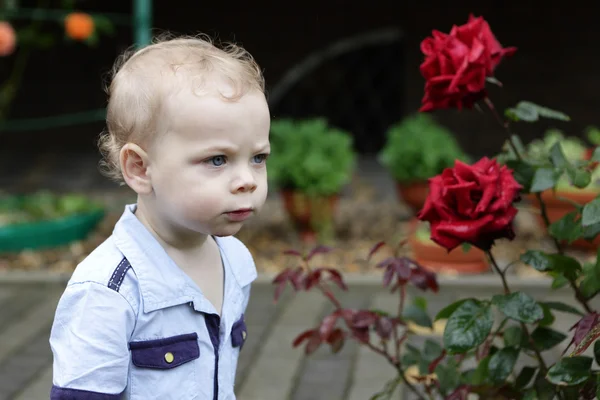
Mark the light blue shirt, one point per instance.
(132, 325)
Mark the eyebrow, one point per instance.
(231, 149)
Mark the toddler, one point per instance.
(157, 310)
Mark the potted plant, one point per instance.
(561, 199)
(44, 220)
(417, 148)
(310, 163)
(462, 260)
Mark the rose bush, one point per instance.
(475, 204)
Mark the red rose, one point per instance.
(472, 204)
(456, 64)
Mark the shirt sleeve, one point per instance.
(89, 342)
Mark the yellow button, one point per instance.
(244, 335)
(169, 357)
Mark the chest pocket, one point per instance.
(163, 368)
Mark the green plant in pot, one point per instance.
(417, 148)
(567, 189)
(310, 163)
(45, 219)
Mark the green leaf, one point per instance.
(525, 377)
(596, 155)
(502, 363)
(558, 281)
(69, 4)
(530, 395)
(557, 156)
(579, 178)
(558, 306)
(591, 213)
(519, 306)
(542, 111)
(447, 311)
(548, 316)
(544, 179)
(410, 356)
(523, 172)
(417, 315)
(104, 25)
(590, 284)
(448, 377)
(597, 351)
(482, 372)
(466, 247)
(520, 114)
(567, 228)
(468, 326)
(570, 371)
(546, 338)
(431, 350)
(514, 337)
(544, 262)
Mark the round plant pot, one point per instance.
(556, 208)
(413, 194)
(437, 259)
(311, 216)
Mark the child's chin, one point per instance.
(228, 231)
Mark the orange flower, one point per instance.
(7, 39)
(79, 26)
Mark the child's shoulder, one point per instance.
(107, 266)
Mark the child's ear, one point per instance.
(134, 166)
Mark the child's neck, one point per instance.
(168, 236)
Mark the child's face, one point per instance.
(210, 164)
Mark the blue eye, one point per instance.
(260, 158)
(217, 161)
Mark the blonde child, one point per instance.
(157, 310)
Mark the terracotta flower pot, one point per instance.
(413, 194)
(557, 208)
(311, 216)
(437, 259)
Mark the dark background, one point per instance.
(556, 64)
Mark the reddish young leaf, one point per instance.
(297, 278)
(303, 336)
(402, 269)
(433, 365)
(385, 263)
(336, 340)
(587, 329)
(312, 279)
(361, 334)
(313, 343)
(320, 249)
(375, 249)
(583, 326)
(292, 252)
(327, 325)
(283, 276)
(423, 279)
(331, 297)
(336, 277)
(388, 276)
(364, 319)
(384, 327)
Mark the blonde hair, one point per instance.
(143, 79)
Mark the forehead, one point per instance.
(193, 116)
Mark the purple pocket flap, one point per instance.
(165, 353)
(239, 332)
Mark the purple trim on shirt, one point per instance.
(118, 275)
(213, 321)
(151, 353)
(59, 393)
(238, 331)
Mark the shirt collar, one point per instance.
(162, 283)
